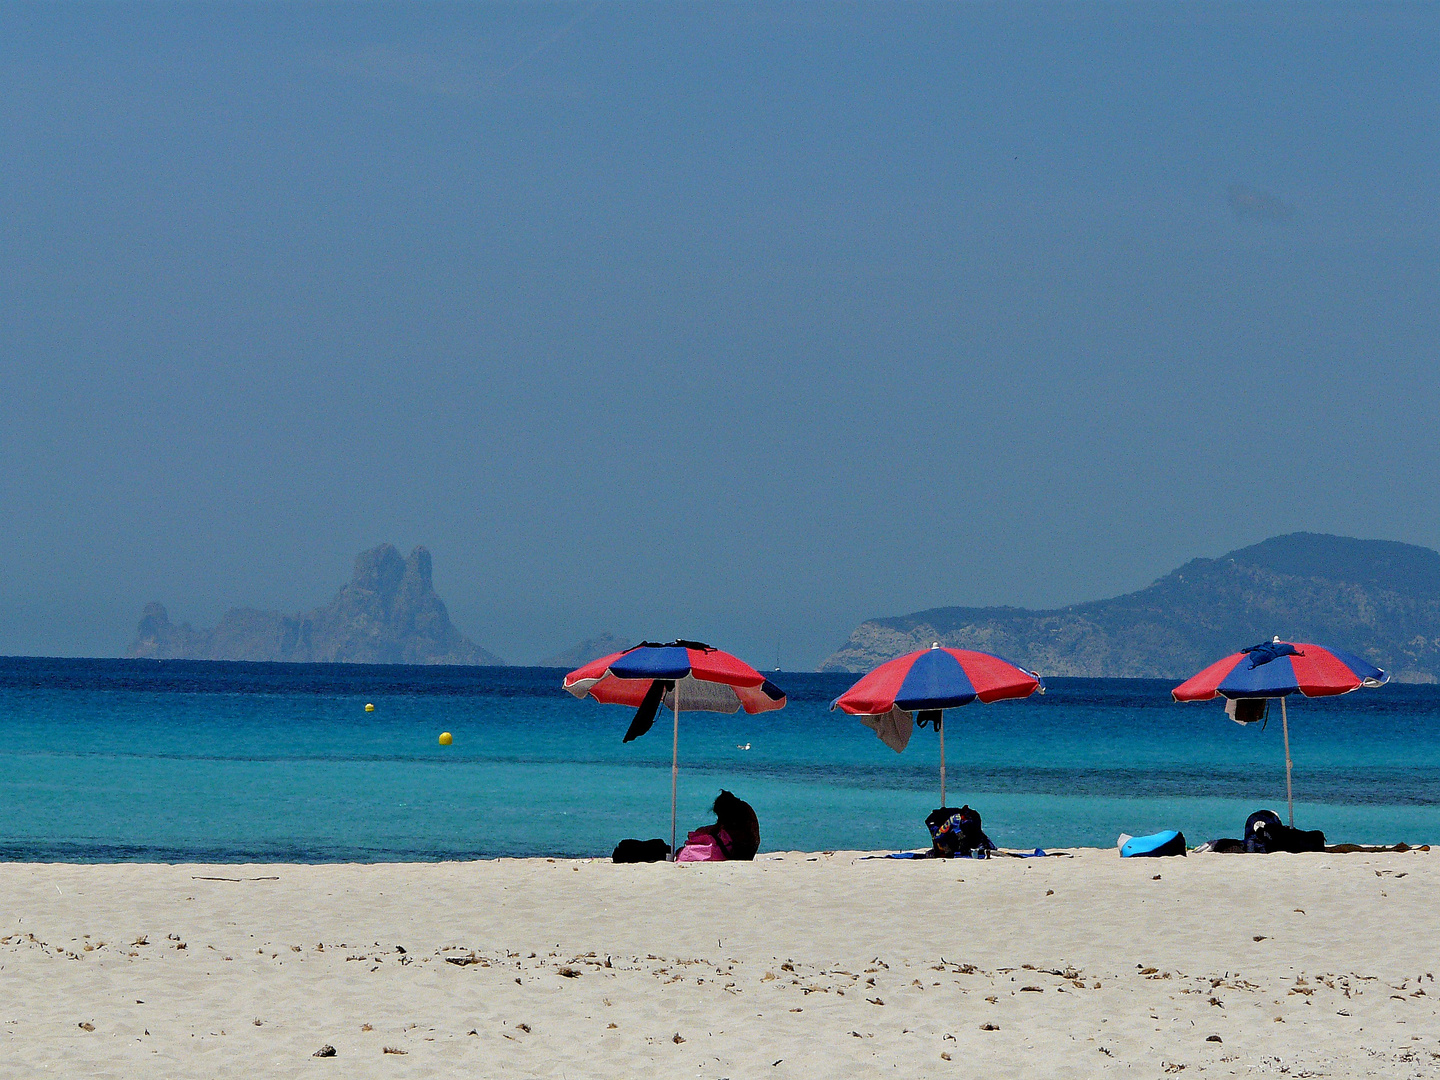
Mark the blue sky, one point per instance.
(740, 322)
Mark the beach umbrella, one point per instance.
(918, 687)
(1277, 669)
(650, 675)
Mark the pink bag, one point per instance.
(702, 847)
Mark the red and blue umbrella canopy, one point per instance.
(709, 679)
(937, 678)
(1278, 668)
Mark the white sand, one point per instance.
(791, 966)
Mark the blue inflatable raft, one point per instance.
(1169, 842)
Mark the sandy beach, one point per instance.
(794, 965)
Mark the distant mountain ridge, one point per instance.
(388, 613)
(1375, 598)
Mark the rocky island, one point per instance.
(388, 613)
(1375, 598)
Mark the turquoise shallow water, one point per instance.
(181, 760)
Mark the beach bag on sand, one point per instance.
(637, 851)
(1257, 830)
(1284, 838)
(1298, 840)
(701, 846)
(957, 832)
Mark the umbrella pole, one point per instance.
(674, 766)
(1285, 726)
(940, 723)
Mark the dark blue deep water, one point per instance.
(186, 760)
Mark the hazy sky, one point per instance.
(740, 322)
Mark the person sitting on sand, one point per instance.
(736, 831)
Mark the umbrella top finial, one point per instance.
(1275, 640)
(934, 644)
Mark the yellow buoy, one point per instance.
(446, 738)
(369, 707)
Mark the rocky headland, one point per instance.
(1375, 598)
(388, 613)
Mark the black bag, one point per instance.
(1257, 830)
(636, 851)
(1285, 838)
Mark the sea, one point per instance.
(177, 761)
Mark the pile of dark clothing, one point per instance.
(634, 851)
(1265, 833)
